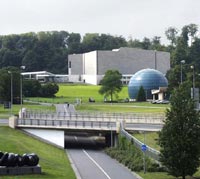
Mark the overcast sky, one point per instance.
(136, 18)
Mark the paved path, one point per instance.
(94, 164)
(65, 108)
(4, 121)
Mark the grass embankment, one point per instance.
(151, 139)
(54, 162)
(5, 113)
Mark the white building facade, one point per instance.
(90, 67)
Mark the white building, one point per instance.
(90, 67)
(44, 76)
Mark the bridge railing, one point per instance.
(98, 116)
(72, 124)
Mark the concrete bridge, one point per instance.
(108, 125)
(88, 121)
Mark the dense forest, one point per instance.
(49, 50)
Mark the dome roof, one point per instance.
(149, 79)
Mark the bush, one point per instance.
(127, 154)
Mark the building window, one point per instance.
(70, 64)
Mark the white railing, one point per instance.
(88, 116)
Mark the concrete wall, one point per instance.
(131, 60)
(56, 137)
(90, 63)
(76, 63)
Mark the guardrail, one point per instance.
(149, 152)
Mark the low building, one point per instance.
(44, 76)
(90, 67)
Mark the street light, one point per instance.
(182, 62)
(11, 90)
(21, 93)
(192, 67)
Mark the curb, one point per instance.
(75, 169)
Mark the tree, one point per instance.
(111, 83)
(146, 43)
(180, 53)
(141, 96)
(171, 33)
(5, 84)
(180, 149)
(49, 89)
(31, 88)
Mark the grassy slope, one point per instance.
(151, 140)
(54, 162)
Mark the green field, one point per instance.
(5, 113)
(53, 161)
(70, 93)
(151, 139)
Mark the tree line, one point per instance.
(10, 78)
(49, 50)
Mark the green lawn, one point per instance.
(151, 140)
(5, 113)
(122, 107)
(69, 93)
(54, 162)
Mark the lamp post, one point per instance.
(193, 86)
(182, 62)
(21, 90)
(11, 90)
(155, 53)
(144, 155)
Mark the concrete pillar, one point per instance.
(113, 140)
(13, 121)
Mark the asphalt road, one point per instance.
(94, 164)
(4, 121)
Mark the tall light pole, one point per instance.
(11, 90)
(155, 53)
(182, 62)
(192, 67)
(21, 90)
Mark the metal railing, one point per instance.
(97, 116)
(70, 124)
(149, 152)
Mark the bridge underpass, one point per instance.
(100, 124)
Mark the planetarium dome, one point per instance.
(149, 79)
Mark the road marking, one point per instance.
(96, 164)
